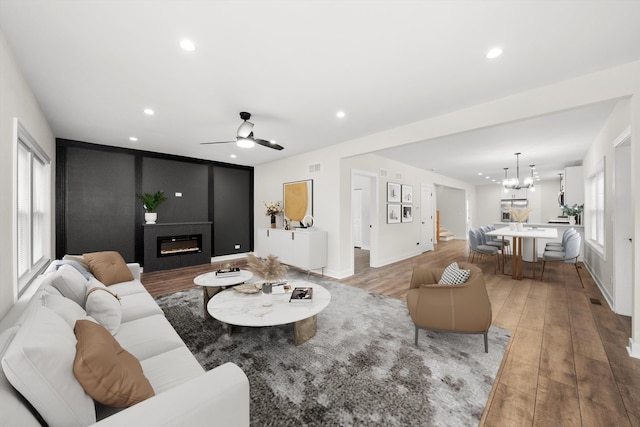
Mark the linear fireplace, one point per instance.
(179, 245)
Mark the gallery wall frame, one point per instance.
(298, 199)
(407, 213)
(393, 214)
(393, 192)
(407, 193)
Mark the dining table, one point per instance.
(519, 237)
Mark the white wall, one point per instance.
(16, 100)
(602, 267)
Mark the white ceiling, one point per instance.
(95, 65)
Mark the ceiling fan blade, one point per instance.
(217, 142)
(269, 144)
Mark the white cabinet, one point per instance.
(303, 249)
(573, 186)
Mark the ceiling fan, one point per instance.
(245, 138)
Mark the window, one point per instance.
(594, 209)
(32, 207)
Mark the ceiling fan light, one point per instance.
(245, 143)
(245, 129)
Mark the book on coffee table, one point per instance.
(301, 294)
(228, 272)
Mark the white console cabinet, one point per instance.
(305, 249)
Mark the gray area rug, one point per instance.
(362, 367)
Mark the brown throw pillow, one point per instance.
(107, 372)
(108, 267)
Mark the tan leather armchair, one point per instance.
(456, 308)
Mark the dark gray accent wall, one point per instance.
(232, 195)
(100, 202)
(97, 208)
(170, 176)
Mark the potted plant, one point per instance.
(572, 212)
(150, 203)
(270, 269)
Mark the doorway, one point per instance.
(364, 219)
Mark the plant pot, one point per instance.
(150, 217)
(267, 288)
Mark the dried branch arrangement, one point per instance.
(269, 268)
(520, 215)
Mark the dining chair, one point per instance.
(568, 256)
(476, 247)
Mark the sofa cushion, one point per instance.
(108, 267)
(137, 306)
(104, 306)
(63, 307)
(170, 369)
(38, 363)
(70, 283)
(454, 275)
(128, 288)
(14, 411)
(148, 336)
(107, 372)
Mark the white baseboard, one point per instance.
(633, 349)
(603, 290)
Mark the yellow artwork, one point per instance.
(296, 200)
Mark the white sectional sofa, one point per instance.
(37, 381)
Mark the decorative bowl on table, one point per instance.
(248, 288)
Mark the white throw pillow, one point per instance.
(453, 275)
(104, 306)
(63, 307)
(71, 283)
(39, 364)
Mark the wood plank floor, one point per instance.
(566, 363)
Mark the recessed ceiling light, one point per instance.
(494, 53)
(487, 177)
(149, 112)
(340, 114)
(480, 173)
(133, 138)
(233, 156)
(187, 45)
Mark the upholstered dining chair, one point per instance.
(495, 239)
(559, 246)
(463, 308)
(568, 256)
(477, 248)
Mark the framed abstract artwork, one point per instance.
(298, 199)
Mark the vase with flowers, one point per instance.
(520, 215)
(272, 209)
(270, 269)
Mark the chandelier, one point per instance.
(514, 183)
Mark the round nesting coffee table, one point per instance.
(240, 309)
(212, 284)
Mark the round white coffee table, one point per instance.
(240, 309)
(212, 284)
